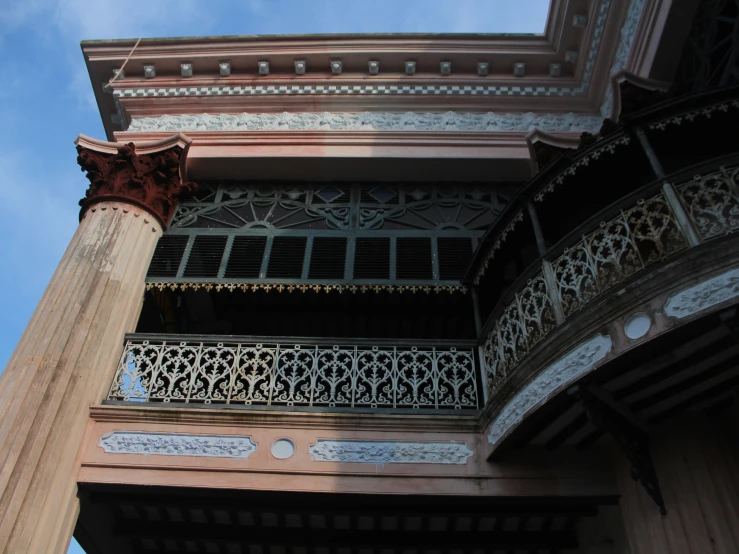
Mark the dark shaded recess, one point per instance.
(286, 257)
(328, 257)
(372, 258)
(245, 260)
(704, 138)
(125, 518)
(413, 258)
(205, 256)
(674, 379)
(591, 189)
(309, 314)
(710, 55)
(167, 256)
(455, 255)
(517, 253)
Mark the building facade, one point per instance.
(395, 294)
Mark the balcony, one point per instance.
(259, 373)
(604, 254)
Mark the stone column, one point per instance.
(697, 465)
(67, 355)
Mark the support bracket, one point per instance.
(610, 416)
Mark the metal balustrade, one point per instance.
(642, 232)
(254, 372)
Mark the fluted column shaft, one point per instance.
(66, 357)
(63, 364)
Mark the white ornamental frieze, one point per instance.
(565, 371)
(172, 444)
(390, 452)
(367, 121)
(704, 295)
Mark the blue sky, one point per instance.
(46, 98)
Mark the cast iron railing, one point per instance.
(226, 370)
(629, 236)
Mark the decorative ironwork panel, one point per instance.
(523, 324)
(341, 206)
(296, 375)
(642, 235)
(712, 202)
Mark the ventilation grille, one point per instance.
(455, 255)
(372, 258)
(328, 258)
(167, 256)
(205, 256)
(220, 256)
(413, 257)
(245, 261)
(286, 258)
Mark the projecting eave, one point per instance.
(472, 95)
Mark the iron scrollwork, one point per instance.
(296, 375)
(342, 207)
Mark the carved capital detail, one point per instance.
(151, 175)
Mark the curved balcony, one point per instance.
(604, 254)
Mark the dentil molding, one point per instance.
(565, 371)
(450, 121)
(171, 444)
(390, 452)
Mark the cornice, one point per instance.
(607, 41)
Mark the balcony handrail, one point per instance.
(321, 341)
(204, 370)
(606, 251)
(676, 178)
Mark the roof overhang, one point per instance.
(564, 90)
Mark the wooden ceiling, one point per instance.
(118, 519)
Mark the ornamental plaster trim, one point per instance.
(626, 42)
(171, 444)
(390, 452)
(704, 295)
(450, 121)
(565, 371)
(362, 288)
(367, 121)
(374, 89)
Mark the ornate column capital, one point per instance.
(149, 175)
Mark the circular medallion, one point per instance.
(637, 325)
(283, 449)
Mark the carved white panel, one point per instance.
(561, 373)
(620, 60)
(390, 452)
(368, 121)
(170, 444)
(704, 295)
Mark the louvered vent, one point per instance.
(413, 257)
(328, 257)
(167, 256)
(245, 261)
(286, 258)
(372, 258)
(205, 256)
(454, 257)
